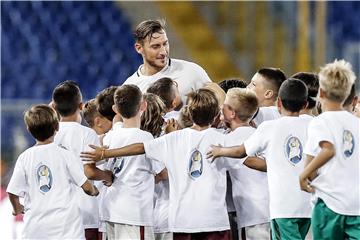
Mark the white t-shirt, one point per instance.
(338, 181)
(161, 209)
(250, 187)
(46, 176)
(172, 114)
(129, 200)
(282, 141)
(266, 114)
(197, 187)
(76, 138)
(188, 75)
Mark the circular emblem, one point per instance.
(293, 149)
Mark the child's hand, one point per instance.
(305, 184)
(214, 152)
(95, 191)
(171, 126)
(94, 156)
(18, 210)
(109, 178)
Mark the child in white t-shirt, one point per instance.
(67, 101)
(332, 171)
(45, 175)
(249, 186)
(197, 188)
(282, 141)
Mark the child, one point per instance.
(266, 83)
(45, 175)
(311, 80)
(197, 187)
(133, 187)
(332, 149)
(96, 121)
(105, 101)
(282, 141)
(67, 101)
(351, 101)
(249, 191)
(232, 83)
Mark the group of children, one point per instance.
(161, 170)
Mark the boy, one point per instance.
(249, 191)
(67, 102)
(196, 186)
(332, 149)
(96, 121)
(105, 101)
(282, 142)
(127, 205)
(45, 175)
(266, 83)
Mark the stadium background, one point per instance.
(44, 43)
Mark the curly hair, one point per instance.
(152, 119)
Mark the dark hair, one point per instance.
(204, 107)
(163, 88)
(105, 101)
(274, 76)
(147, 28)
(311, 80)
(351, 96)
(41, 121)
(293, 94)
(127, 99)
(66, 97)
(232, 83)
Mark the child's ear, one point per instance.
(81, 106)
(97, 121)
(269, 94)
(143, 106)
(279, 104)
(114, 108)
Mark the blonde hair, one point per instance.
(184, 119)
(336, 79)
(90, 112)
(152, 119)
(243, 101)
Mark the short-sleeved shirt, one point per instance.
(250, 187)
(129, 200)
(76, 138)
(189, 76)
(197, 186)
(338, 180)
(45, 175)
(282, 141)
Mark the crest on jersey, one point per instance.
(348, 143)
(195, 164)
(117, 165)
(293, 150)
(44, 178)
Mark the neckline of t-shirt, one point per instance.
(154, 75)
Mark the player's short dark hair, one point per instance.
(204, 107)
(351, 96)
(127, 100)
(311, 80)
(105, 101)
(163, 88)
(232, 83)
(41, 121)
(147, 28)
(274, 76)
(67, 98)
(293, 94)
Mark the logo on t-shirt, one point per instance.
(117, 165)
(348, 143)
(195, 164)
(293, 149)
(44, 178)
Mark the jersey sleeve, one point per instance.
(91, 138)
(18, 183)
(75, 169)
(317, 132)
(257, 142)
(202, 79)
(156, 149)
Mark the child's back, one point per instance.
(50, 173)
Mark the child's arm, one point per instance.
(94, 173)
(17, 207)
(256, 163)
(90, 189)
(100, 153)
(326, 153)
(234, 152)
(161, 176)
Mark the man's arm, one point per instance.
(234, 152)
(326, 153)
(17, 207)
(100, 153)
(256, 163)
